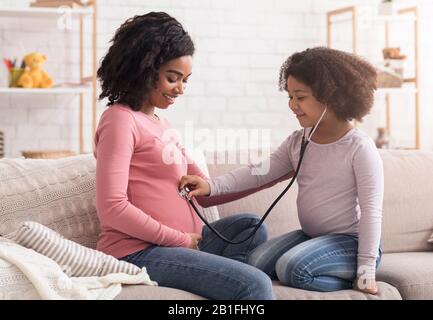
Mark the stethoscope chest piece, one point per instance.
(184, 193)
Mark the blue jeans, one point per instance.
(325, 263)
(215, 271)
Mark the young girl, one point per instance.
(340, 181)
(143, 219)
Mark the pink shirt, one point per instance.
(137, 197)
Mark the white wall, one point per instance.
(240, 47)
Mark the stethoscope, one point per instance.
(304, 143)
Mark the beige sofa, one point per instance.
(406, 271)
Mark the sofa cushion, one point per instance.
(386, 292)
(74, 259)
(408, 204)
(58, 193)
(136, 292)
(410, 272)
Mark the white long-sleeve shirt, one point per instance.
(340, 188)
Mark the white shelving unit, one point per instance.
(409, 14)
(53, 13)
(46, 13)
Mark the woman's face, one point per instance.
(303, 104)
(173, 76)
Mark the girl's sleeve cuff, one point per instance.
(366, 270)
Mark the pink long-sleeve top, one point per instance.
(137, 177)
(139, 162)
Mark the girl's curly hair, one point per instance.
(139, 47)
(342, 81)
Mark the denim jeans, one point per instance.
(325, 263)
(215, 271)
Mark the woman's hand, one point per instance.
(197, 185)
(366, 285)
(195, 238)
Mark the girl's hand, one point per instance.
(199, 186)
(366, 285)
(195, 238)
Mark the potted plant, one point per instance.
(386, 8)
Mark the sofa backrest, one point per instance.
(408, 201)
(60, 194)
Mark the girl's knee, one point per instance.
(254, 259)
(290, 272)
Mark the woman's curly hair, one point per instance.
(139, 48)
(342, 81)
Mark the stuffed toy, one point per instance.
(34, 75)
(393, 53)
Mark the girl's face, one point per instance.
(173, 76)
(303, 104)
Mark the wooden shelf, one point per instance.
(394, 18)
(66, 90)
(391, 19)
(35, 12)
(409, 14)
(409, 90)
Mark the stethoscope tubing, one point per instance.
(304, 144)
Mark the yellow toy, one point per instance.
(34, 76)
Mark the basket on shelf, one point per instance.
(47, 154)
(388, 78)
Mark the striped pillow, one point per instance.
(75, 259)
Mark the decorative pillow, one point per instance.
(58, 193)
(211, 214)
(430, 240)
(74, 259)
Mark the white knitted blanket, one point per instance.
(26, 274)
